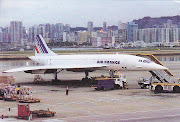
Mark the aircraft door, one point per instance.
(123, 64)
(49, 61)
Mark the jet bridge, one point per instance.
(162, 75)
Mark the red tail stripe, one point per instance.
(36, 49)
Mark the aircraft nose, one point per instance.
(160, 67)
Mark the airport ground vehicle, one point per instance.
(118, 82)
(43, 113)
(167, 82)
(165, 87)
(144, 83)
(25, 112)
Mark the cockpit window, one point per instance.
(140, 61)
(145, 61)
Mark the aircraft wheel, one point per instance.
(105, 89)
(116, 86)
(84, 80)
(102, 88)
(112, 88)
(176, 89)
(98, 89)
(159, 89)
(142, 86)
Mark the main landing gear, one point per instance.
(86, 79)
(55, 80)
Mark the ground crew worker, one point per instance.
(67, 90)
(17, 89)
(123, 85)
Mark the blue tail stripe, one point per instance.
(41, 43)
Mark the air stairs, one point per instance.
(164, 76)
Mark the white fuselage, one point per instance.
(112, 61)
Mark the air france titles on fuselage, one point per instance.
(108, 62)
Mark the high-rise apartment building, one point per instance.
(6, 34)
(119, 24)
(1, 35)
(33, 31)
(178, 25)
(169, 23)
(130, 26)
(157, 35)
(173, 37)
(16, 31)
(104, 26)
(42, 30)
(59, 29)
(48, 30)
(90, 26)
(83, 36)
(67, 28)
(52, 31)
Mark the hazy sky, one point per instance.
(79, 12)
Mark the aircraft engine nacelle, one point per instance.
(42, 71)
(80, 70)
(36, 71)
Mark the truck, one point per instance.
(107, 83)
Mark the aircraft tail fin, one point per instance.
(41, 48)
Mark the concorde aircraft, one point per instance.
(49, 62)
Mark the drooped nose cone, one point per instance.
(158, 67)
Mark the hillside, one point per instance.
(148, 22)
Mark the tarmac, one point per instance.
(86, 104)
